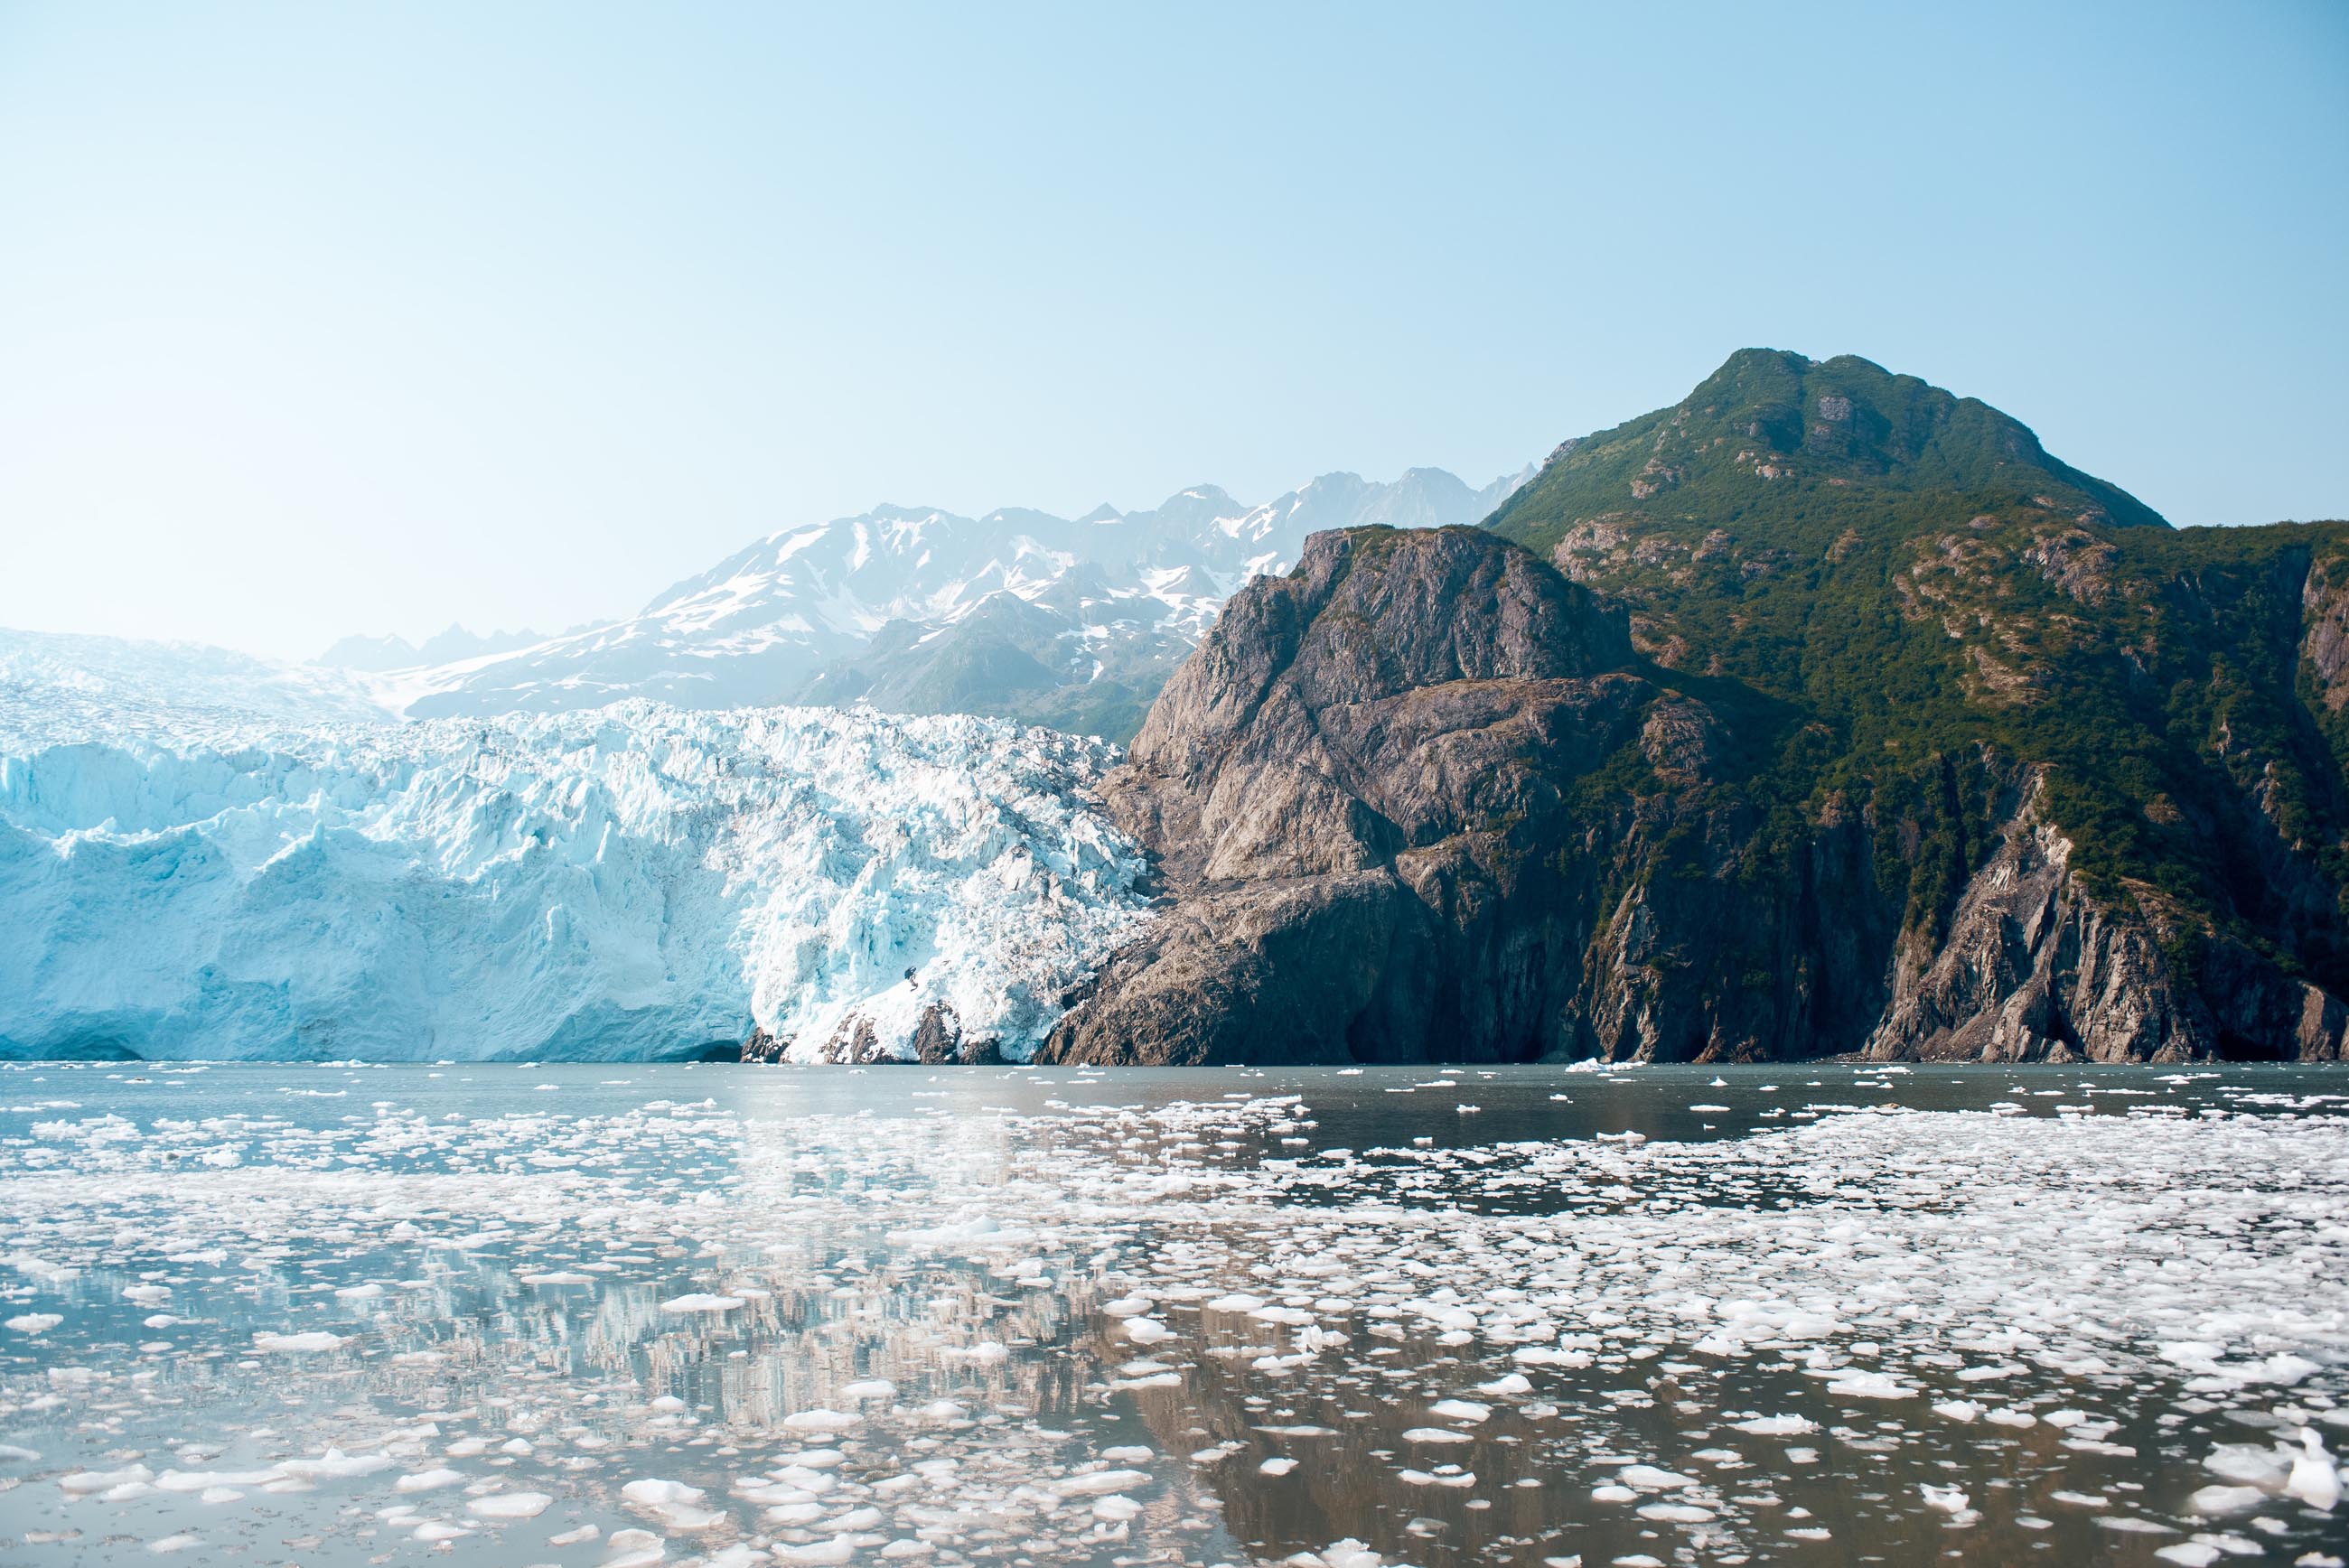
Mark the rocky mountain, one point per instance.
(1070, 622)
(1822, 712)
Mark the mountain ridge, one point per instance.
(1922, 744)
(871, 608)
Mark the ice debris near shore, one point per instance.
(909, 1287)
(634, 881)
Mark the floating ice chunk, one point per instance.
(503, 1505)
(146, 1295)
(1147, 1331)
(652, 1493)
(336, 1465)
(558, 1277)
(701, 1302)
(739, 1555)
(427, 1481)
(870, 1388)
(635, 1549)
(1127, 1307)
(2313, 1479)
(1235, 1303)
(1430, 1478)
(2225, 1498)
(432, 1531)
(1347, 1553)
(1100, 1483)
(2248, 1463)
(1127, 1454)
(301, 1344)
(1958, 1409)
(1648, 1478)
(1947, 1498)
(1435, 1435)
(169, 1543)
(815, 1554)
(1871, 1386)
(79, 1482)
(34, 1322)
(2191, 1554)
(1280, 1466)
(367, 1291)
(1460, 1409)
(820, 1421)
(1610, 1493)
(1675, 1512)
(207, 1480)
(1778, 1426)
(1508, 1383)
(574, 1537)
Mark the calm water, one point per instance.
(622, 1314)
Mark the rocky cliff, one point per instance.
(1428, 799)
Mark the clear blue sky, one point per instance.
(327, 318)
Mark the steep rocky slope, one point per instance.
(1845, 719)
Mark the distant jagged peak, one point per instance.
(389, 652)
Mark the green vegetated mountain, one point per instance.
(1920, 741)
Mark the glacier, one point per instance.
(632, 882)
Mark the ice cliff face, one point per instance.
(633, 882)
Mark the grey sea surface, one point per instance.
(617, 1313)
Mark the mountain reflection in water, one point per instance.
(599, 1315)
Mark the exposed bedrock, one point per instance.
(1421, 801)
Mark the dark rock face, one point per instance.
(1375, 795)
(1419, 800)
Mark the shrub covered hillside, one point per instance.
(1913, 609)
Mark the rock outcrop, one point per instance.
(1389, 800)
(1422, 800)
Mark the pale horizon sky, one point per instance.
(317, 321)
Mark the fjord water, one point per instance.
(607, 1313)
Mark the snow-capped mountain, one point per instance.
(641, 881)
(918, 610)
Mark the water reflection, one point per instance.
(806, 1319)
